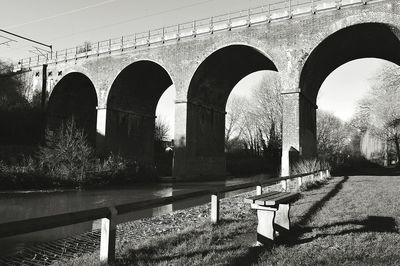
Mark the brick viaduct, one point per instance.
(114, 95)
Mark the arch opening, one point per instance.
(131, 107)
(74, 96)
(360, 41)
(207, 96)
(253, 125)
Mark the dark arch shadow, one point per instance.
(74, 96)
(208, 93)
(131, 107)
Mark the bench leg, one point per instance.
(282, 220)
(265, 227)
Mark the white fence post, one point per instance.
(284, 184)
(107, 240)
(259, 190)
(215, 208)
(300, 181)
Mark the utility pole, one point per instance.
(28, 39)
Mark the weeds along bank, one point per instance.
(66, 159)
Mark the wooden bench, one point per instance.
(273, 214)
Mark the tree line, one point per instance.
(254, 123)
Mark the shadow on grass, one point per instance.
(253, 253)
(379, 224)
(184, 247)
(223, 241)
(321, 203)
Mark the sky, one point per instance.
(68, 23)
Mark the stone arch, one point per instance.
(208, 91)
(131, 106)
(361, 40)
(74, 96)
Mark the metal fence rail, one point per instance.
(108, 214)
(285, 9)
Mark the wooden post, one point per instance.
(327, 174)
(107, 240)
(249, 18)
(178, 32)
(338, 4)
(321, 175)
(134, 42)
(313, 9)
(194, 28)
(284, 185)
(300, 181)
(215, 208)
(259, 190)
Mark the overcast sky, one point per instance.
(67, 23)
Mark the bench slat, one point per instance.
(276, 199)
(254, 198)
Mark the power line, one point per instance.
(132, 19)
(26, 39)
(61, 14)
(121, 22)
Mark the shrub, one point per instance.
(309, 185)
(116, 169)
(308, 166)
(243, 164)
(66, 154)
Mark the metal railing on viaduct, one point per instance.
(109, 214)
(277, 11)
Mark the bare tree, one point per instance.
(332, 135)
(268, 109)
(161, 129)
(11, 88)
(236, 108)
(85, 47)
(381, 107)
(257, 121)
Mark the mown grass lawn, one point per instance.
(349, 221)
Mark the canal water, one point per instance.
(19, 205)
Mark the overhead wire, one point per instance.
(60, 14)
(111, 24)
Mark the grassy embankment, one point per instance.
(351, 221)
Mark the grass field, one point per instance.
(349, 221)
